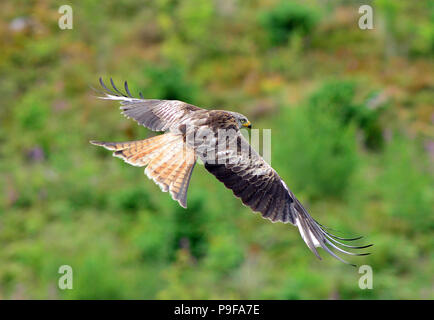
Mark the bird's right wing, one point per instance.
(157, 115)
(259, 186)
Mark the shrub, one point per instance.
(189, 228)
(335, 98)
(131, 199)
(338, 99)
(319, 152)
(287, 18)
(153, 236)
(168, 83)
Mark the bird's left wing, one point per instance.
(157, 115)
(259, 186)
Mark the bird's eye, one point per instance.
(243, 120)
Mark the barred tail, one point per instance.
(169, 161)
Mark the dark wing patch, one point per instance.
(157, 115)
(253, 181)
(258, 186)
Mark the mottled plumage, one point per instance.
(192, 133)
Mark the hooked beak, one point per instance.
(247, 125)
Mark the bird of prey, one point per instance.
(193, 133)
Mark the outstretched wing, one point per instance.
(259, 186)
(157, 115)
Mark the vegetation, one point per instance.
(287, 18)
(351, 118)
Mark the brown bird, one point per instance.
(213, 136)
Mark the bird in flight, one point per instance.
(213, 136)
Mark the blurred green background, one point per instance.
(351, 113)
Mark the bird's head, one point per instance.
(242, 120)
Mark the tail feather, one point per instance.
(175, 185)
(161, 162)
(182, 194)
(161, 176)
(160, 159)
(115, 146)
(169, 161)
(182, 181)
(153, 150)
(162, 173)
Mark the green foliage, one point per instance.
(168, 83)
(131, 199)
(189, 228)
(337, 98)
(224, 254)
(301, 285)
(320, 150)
(407, 36)
(95, 280)
(406, 187)
(33, 112)
(198, 14)
(286, 19)
(153, 237)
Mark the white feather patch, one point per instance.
(120, 98)
(304, 235)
